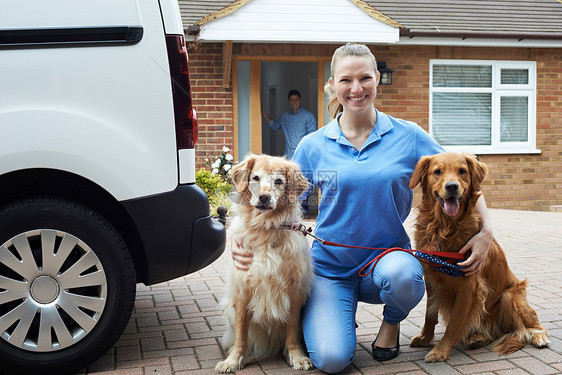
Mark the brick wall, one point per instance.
(526, 182)
(212, 102)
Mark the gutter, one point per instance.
(464, 35)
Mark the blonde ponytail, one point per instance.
(334, 106)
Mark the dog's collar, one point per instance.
(446, 265)
(299, 227)
(296, 226)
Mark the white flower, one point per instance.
(216, 164)
(225, 149)
(227, 167)
(229, 157)
(215, 171)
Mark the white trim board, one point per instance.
(316, 21)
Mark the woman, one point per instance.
(362, 161)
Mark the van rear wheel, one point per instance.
(67, 285)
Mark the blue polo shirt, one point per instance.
(365, 196)
(295, 126)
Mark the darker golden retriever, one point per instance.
(263, 304)
(488, 307)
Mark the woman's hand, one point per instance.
(242, 258)
(479, 243)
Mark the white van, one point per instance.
(97, 174)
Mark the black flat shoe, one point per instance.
(386, 354)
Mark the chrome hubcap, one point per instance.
(53, 290)
(44, 289)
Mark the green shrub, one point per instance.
(216, 187)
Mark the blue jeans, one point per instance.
(329, 315)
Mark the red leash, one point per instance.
(363, 271)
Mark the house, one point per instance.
(481, 76)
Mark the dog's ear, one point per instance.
(240, 173)
(420, 172)
(478, 171)
(296, 181)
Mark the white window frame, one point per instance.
(497, 91)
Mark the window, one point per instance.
(483, 107)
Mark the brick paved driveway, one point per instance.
(176, 326)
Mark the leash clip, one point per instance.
(300, 227)
(308, 231)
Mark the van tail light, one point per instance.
(186, 121)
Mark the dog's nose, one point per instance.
(264, 198)
(452, 187)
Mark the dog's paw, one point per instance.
(477, 341)
(304, 363)
(420, 340)
(437, 356)
(228, 366)
(540, 339)
(299, 361)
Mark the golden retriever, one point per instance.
(263, 304)
(482, 308)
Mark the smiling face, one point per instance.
(295, 103)
(354, 81)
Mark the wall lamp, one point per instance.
(386, 73)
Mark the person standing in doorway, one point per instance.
(295, 123)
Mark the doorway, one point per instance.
(265, 83)
(277, 79)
